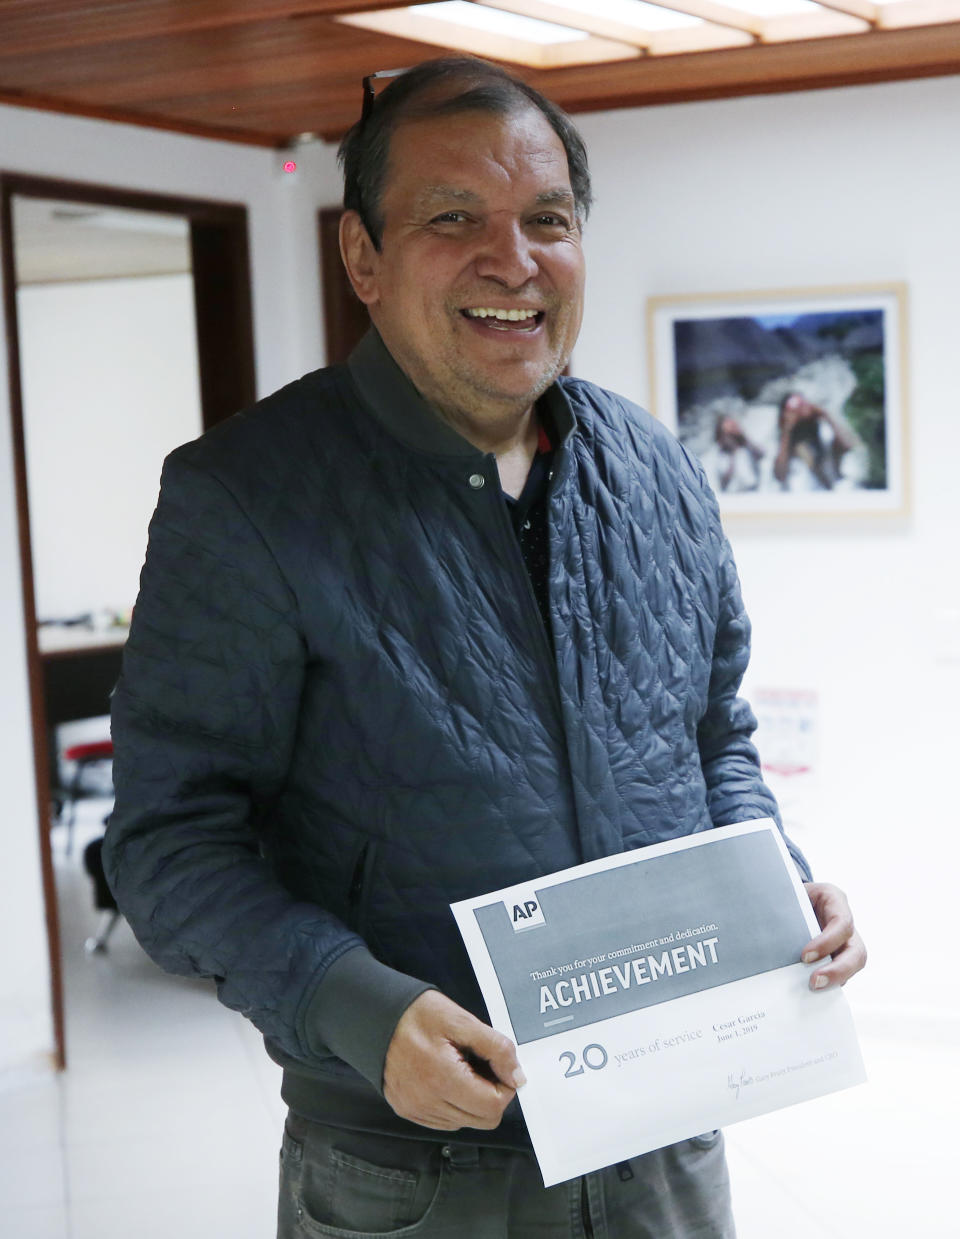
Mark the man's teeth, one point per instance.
(512, 316)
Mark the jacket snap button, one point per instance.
(476, 480)
(445, 1151)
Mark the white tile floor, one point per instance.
(168, 1120)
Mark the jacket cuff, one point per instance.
(356, 1008)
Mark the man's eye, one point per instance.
(449, 217)
(549, 220)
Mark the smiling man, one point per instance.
(425, 625)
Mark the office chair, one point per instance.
(85, 757)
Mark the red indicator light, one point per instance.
(290, 166)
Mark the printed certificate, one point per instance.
(658, 994)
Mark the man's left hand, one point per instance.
(839, 938)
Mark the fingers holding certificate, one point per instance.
(839, 943)
(430, 1074)
(661, 993)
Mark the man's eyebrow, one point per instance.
(556, 197)
(446, 193)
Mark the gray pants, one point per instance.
(352, 1184)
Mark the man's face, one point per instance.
(479, 223)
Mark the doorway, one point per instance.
(94, 267)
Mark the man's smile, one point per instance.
(513, 319)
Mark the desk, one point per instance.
(80, 667)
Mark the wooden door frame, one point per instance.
(225, 348)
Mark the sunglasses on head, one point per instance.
(370, 94)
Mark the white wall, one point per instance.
(288, 331)
(123, 392)
(826, 188)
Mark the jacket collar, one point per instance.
(400, 408)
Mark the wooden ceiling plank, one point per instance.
(250, 49)
(126, 58)
(589, 51)
(194, 128)
(235, 77)
(705, 38)
(58, 25)
(822, 25)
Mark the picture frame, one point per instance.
(793, 400)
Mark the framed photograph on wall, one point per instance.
(793, 400)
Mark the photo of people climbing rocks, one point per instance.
(788, 400)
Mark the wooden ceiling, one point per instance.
(266, 72)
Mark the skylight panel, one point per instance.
(895, 13)
(775, 8)
(496, 21)
(630, 13)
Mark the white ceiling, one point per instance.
(56, 241)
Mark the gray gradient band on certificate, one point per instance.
(644, 933)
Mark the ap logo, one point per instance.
(524, 911)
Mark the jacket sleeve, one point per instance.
(730, 762)
(204, 720)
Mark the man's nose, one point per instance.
(505, 254)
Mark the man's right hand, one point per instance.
(446, 1069)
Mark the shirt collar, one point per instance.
(400, 408)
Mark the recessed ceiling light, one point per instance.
(629, 13)
(496, 21)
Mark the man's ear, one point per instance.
(360, 257)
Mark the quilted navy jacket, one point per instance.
(340, 711)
